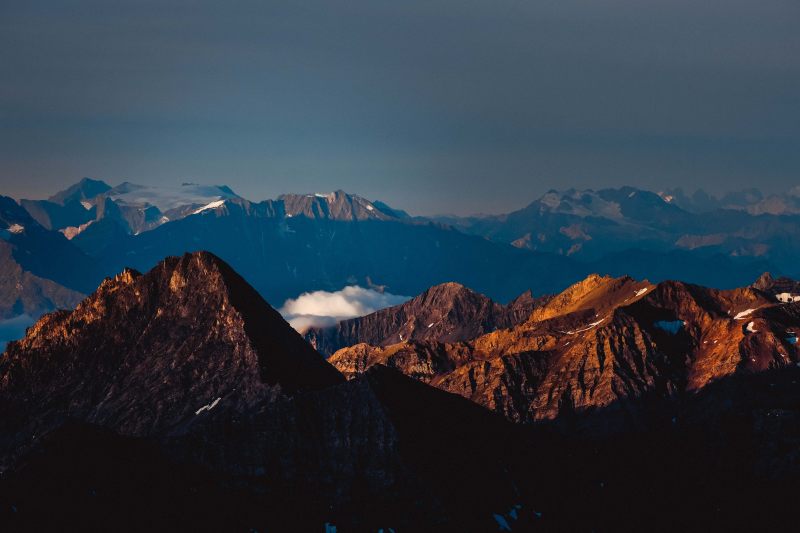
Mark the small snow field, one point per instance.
(744, 314)
(587, 328)
(208, 407)
(212, 205)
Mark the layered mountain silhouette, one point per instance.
(325, 241)
(24, 293)
(602, 342)
(447, 312)
(608, 226)
(180, 399)
(188, 371)
(43, 252)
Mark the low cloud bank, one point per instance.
(12, 329)
(323, 308)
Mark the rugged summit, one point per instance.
(188, 372)
(604, 341)
(447, 313)
(337, 205)
(178, 399)
(782, 287)
(144, 353)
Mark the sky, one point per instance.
(432, 106)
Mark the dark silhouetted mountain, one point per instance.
(185, 376)
(446, 313)
(245, 348)
(179, 400)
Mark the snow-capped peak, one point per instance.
(211, 205)
(167, 198)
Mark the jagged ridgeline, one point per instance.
(180, 399)
(602, 342)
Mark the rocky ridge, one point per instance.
(604, 341)
(447, 312)
(188, 368)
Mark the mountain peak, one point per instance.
(596, 293)
(85, 189)
(447, 312)
(337, 205)
(189, 331)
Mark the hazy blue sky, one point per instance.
(433, 106)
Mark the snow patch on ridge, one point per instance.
(744, 314)
(587, 328)
(208, 406)
(212, 205)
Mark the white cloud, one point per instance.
(322, 308)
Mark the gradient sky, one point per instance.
(433, 106)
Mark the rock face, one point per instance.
(69, 207)
(24, 293)
(448, 312)
(604, 341)
(145, 352)
(45, 253)
(187, 367)
(337, 205)
(777, 286)
(179, 399)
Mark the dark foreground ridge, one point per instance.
(180, 400)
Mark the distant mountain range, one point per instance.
(304, 242)
(590, 225)
(179, 399)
